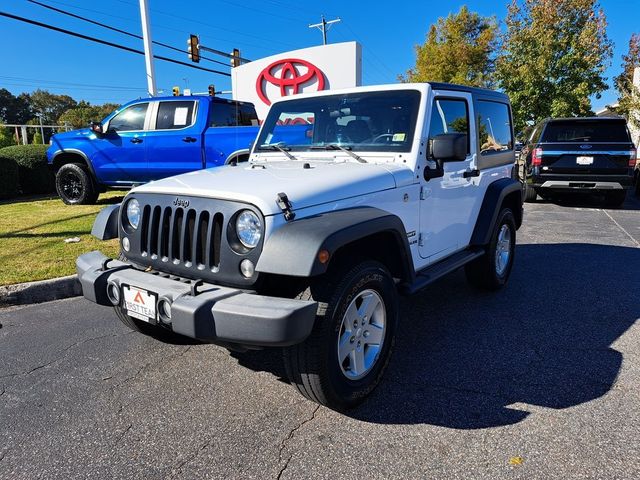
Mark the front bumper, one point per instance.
(209, 312)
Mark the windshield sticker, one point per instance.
(398, 137)
(180, 117)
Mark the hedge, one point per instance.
(34, 176)
(8, 178)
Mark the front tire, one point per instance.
(491, 271)
(345, 356)
(530, 194)
(75, 186)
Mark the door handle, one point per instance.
(136, 140)
(189, 139)
(471, 173)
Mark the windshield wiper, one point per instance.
(335, 146)
(281, 146)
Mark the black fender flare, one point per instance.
(497, 192)
(80, 153)
(105, 226)
(293, 249)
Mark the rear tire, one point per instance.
(75, 186)
(615, 198)
(530, 194)
(491, 271)
(344, 358)
(637, 184)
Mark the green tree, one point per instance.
(14, 109)
(458, 49)
(554, 56)
(51, 106)
(6, 137)
(628, 94)
(84, 113)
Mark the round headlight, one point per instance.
(133, 212)
(249, 229)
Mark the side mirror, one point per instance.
(96, 127)
(448, 147)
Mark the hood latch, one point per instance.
(285, 205)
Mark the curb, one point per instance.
(40, 291)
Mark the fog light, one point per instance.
(164, 310)
(113, 293)
(247, 268)
(126, 244)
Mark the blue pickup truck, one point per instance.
(149, 139)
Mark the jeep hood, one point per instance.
(259, 183)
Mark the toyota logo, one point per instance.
(290, 78)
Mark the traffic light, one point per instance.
(194, 48)
(176, 91)
(212, 90)
(235, 61)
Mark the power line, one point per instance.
(139, 37)
(73, 84)
(171, 29)
(105, 42)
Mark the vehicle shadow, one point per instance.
(467, 359)
(592, 200)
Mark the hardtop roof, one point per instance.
(476, 91)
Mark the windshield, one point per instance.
(586, 131)
(367, 121)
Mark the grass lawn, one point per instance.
(32, 234)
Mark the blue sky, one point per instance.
(388, 31)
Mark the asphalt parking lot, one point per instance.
(541, 380)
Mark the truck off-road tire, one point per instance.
(349, 348)
(491, 271)
(530, 194)
(75, 186)
(615, 198)
(637, 184)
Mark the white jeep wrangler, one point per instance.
(349, 199)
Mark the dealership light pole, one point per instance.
(323, 26)
(148, 52)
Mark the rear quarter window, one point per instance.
(494, 127)
(586, 131)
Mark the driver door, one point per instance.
(121, 153)
(447, 206)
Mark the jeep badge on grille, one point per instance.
(179, 202)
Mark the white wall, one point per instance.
(333, 66)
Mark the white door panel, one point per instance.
(450, 205)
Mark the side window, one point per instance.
(247, 116)
(175, 115)
(131, 118)
(449, 116)
(223, 115)
(494, 127)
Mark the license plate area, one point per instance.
(140, 303)
(582, 160)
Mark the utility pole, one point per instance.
(39, 115)
(323, 27)
(148, 52)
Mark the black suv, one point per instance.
(579, 154)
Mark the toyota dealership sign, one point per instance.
(314, 69)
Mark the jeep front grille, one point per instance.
(182, 236)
